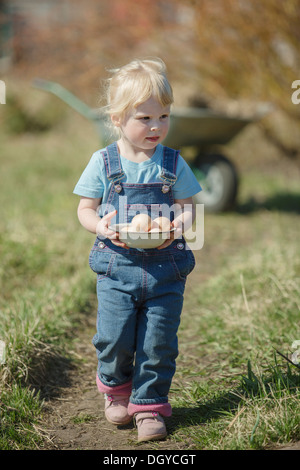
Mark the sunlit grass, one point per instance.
(43, 262)
(232, 390)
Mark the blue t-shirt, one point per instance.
(94, 183)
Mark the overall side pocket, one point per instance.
(183, 263)
(101, 262)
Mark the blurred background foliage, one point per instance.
(228, 55)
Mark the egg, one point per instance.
(163, 223)
(141, 223)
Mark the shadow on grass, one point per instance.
(50, 374)
(201, 414)
(282, 202)
(202, 411)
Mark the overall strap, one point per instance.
(112, 162)
(168, 173)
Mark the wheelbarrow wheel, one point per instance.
(219, 181)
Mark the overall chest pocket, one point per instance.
(131, 210)
(101, 262)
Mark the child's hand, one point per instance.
(183, 220)
(173, 235)
(104, 230)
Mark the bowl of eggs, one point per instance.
(143, 232)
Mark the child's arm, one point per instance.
(183, 219)
(87, 215)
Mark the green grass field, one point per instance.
(231, 389)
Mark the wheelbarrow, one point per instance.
(200, 128)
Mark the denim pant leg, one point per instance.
(157, 346)
(115, 337)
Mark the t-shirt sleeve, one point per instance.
(187, 184)
(90, 182)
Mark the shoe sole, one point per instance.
(154, 437)
(118, 423)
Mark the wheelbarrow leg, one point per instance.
(219, 180)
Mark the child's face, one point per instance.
(146, 125)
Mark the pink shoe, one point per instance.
(116, 409)
(150, 425)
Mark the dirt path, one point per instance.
(74, 420)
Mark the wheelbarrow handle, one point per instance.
(65, 95)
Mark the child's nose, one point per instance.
(155, 126)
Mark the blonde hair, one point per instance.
(134, 83)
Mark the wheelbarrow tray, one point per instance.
(198, 127)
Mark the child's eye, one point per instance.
(164, 116)
(145, 118)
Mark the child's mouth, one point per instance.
(153, 139)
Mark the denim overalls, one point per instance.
(140, 295)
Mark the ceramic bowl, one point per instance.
(142, 240)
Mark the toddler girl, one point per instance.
(140, 291)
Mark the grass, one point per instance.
(231, 389)
(42, 267)
(260, 411)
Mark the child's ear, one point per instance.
(116, 120)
